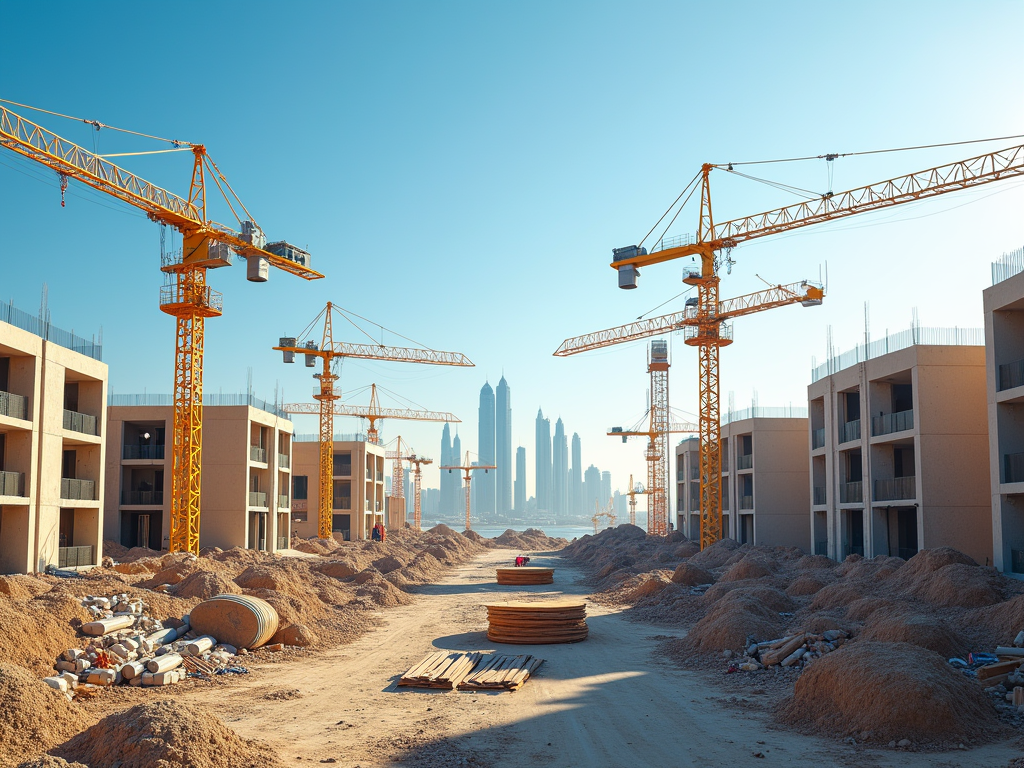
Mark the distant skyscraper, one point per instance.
(619, 502)
(592, 490)
(542, 479)
(576, 478)
(520, 495)
(559, 471)
(484, 482)
(503, 447)
(606, 488)
(445, 501)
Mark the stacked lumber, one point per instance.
(501, 673)
(526, 575)
(444, 669)
(537, 623)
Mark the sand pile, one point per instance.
(167, 734)
(530, 540)
(904, 626)
(884, 692)
(34, 716)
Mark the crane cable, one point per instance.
(98, 125)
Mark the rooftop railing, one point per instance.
(765, 412)
(1010, 264)
(44, 329)
(212, 399)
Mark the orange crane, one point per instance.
(703, 322)
(467, 469)
(186, 297)
(658, 448)
(374, 413)
(608, 513)
(398, 478)
(633, 492)
(328, 350)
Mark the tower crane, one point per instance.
(633, 492)
(398, 477)
(658, 449)
(374, 413)
(467, 470)
(608, 513)
(328, 350)
(703, 323)
(186, 296)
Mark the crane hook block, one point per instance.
(628, 273)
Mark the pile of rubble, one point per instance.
(128, 646)
(794, 651)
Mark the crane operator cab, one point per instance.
(628, 273)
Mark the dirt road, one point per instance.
(608, 701)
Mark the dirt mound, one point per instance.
(915, 629)
(442, 530)
(805, 584)
(383, 593)
(860, 610)
(22, 586)
(261, 577)
(768, 596)
(750, 567)
(959, 584)
(838, 595)
(337, 569)
(388, 563)
(731, 622)
(686, 549)
(167, 734)
(476, 537)
(891, 691)
(814, 562)
(50, 620)
(49, 761)
(314, 546)
(204, 585)
(35, 717)
(1001, 622)
(646, 585)
(933, 559)
(690, 575)
(716, 555)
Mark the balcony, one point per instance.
(282, 501)
(818, 494)
(849, 431)
(142, 497)
(257, 454)
(821, 547)
(892, 422)
(342, 503)
(1013, 467)
(11, 484)
(899, 488)
(282, 542)
(142, 452)
(380, 477)
(80, 422)
(284, 461)
(83, 490)
(73, 557)
(745, 462)
(851, 493)
(14, 406)
(257, 499)
(1011, 375)
(746, 502)
(817, 438)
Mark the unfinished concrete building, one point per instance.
(358, 496)
(247, 454)
(764, 479)
(898, 437)
(1004, 348)
(52, 408)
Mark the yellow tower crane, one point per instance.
(328, 350)
(398, 477)
(634, 491)
(704, 324)
(658, 448)
(374, 413)
(205, 245)
(467, 469)
(608, 513)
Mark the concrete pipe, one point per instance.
(133, 669)
(101, 627)
(201, 645)
(165, 663)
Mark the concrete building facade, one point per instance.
(764, 479)
(358, 494)
(899, 448)
(246, 473)
(52, 452)
(1004, 384)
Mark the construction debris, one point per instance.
(472, 671)
(537, 623)
(525, 576)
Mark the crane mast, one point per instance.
(205, 245)
(398, 477)
(467, 468)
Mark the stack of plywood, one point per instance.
(501, 673)
(444, 669)
(537, 623)
(526, 575)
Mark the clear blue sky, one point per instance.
(461, 170)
